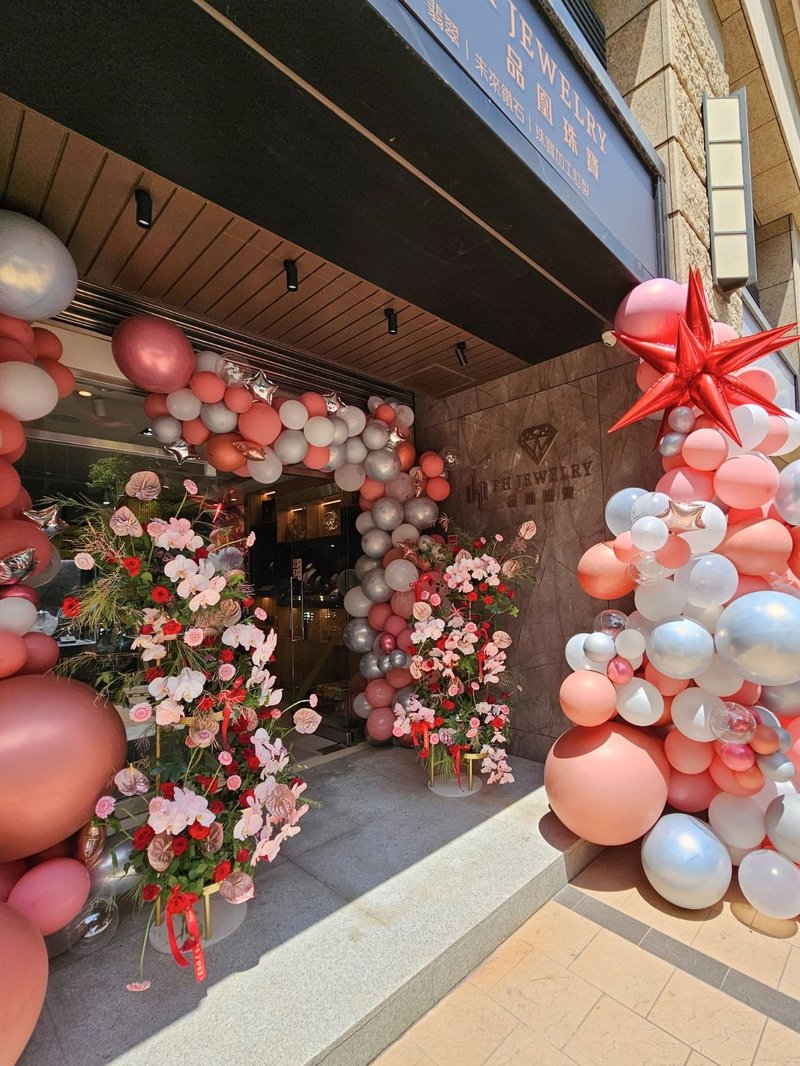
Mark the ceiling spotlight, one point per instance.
(461, 353)
(391, 319)
(290, 267)
(85, 392)
(144, 208)
(99, 406)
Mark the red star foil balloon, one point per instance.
(697, 372)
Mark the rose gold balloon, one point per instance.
(24, 592)
(23, 980)
(90, 843)
(60, 743)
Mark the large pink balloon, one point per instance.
(10, 873)
(380, 723)
(51, 894)
(607, 783)
(60, 743)
(651, 310)
(152, 353)
(23, 981)
(691, 792)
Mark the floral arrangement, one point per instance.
(462, 700)
(221, 789)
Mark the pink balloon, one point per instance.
(736, 756)
(624, 548)
(776, 437)
(757, 547)
(314, 403)
(386, 642)
(207, 386)
(402, 603)
(760, 380)
(379, 693)
(402, 487)
(685, 484)
(675, 553)
(705, 449)
(588, 698)
(619, 670)
(195, 431)
(746, 481)
(748, 584)
(52, 894)
(404, 641)
(691, 792)
(13, 653)
(155, 405)
(395, 625)
(378, 613)
(238, 399)
(10, 873)
(667, 686)
(380, 723)
(42, 653)
(391, 555)
(747, 695)
(23, 980)
(727, 781)
(399, 676)
(722, 332)
(686, 755)
(152, 353)
(646, 375)
(651, 310)
(9, 483)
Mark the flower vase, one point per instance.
(445, 782)
(216, 919)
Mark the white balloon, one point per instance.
(720, 679)
(770, 883)
(649, 533)
(355, 451)
(709, 538)
(340, 430)
(630, 644)
(375, 435)
(573, 652)
(350, 477)
(659, 599)
(293, 414)
(318, 430)
(26, 391)
(651, 503)
(401, 575)
(209, 361)
(405, 534)
(783, 825)
(708, 579)
(618, 509)
(636, 620)
(770, 790)
(404, 415)
(793, 440)
(218, 418)
(737, 854)
(738, 820)
(752, 422)
(599, 647)
(165, 428)
(364, 522)
(691, 710)
(373, 403)
(38, 277)
(291, 446)
(267, 470)
(183, 405)
(686, 862)
(707, 617)
(356, 603)
(355, 420)
(639, 702)
(17, 614)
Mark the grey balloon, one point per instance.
(680, 648)
(368, 667)
(382, 465)
(398, 658)
(38, 277)
(776, 767)
(337, 457)
(686, 862)
(375, 435)
(346, 580)
(361, 705)
(339, 430)
(374, 586)
(759, 635)
(364, 522)
(218, 418)
(355, 450)
(107, 880)
(787, 498)
(403, 695)
(421, 512)
(783, 700)
(783, 825)
(671, 444)
(291, 446)
(358, 635)
(364, 564)
(376, 543)
(387, 513)
(384, 663)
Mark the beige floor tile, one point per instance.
(546, 997)
(779, 928)
(498, 964)
(725, 938)
(463, 1029)
(790, 979)
(613, 1034)
(404, 1052)
(523, 1047)
(779, 1046)
(645, 904)
(712, 1023)
(558, 932)
(613, 875)
(626, 972)
(696, 1059)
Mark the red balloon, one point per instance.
(16, 536)
(438, 489)
(51, 894)
(378, 613)
(9, 483)
(61, 375)
(238, 399)
(220, 451)
(10, 873)
(317, 457)
(155, 404)
(406, 453)
(314, 403)
(13, 653)
(23, 980)
(153, 353)
(46, 343)
(19, 330)
(398, 677)
(260, 423)
(16, 509)
(12, 434)
(57, 738)
(41, 653)
(195, 431)
(11, 351)
(207, 386)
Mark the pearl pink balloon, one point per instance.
(588, 698)
(386, 642)
(23, 980)
(758, 547)
(51, 894)
(10, 873)
(24, 592)
(705, 449)
(58, 738)
(619, 670)
(152, 353)
(651, 310)
(722, 332)
(378, 613)
(380, 723)
(687, 755)
(607, 783)
(746, 481)
(736, 756)
(685, 484)
(41, 653)
(691, 793)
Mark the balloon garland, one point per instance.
(693, 698)
(58, 741)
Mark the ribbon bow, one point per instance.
(455, 754)
(421, 730)
(183, 903)
(229, 698)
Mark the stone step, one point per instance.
(388, 898)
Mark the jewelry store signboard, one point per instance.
(511, 51)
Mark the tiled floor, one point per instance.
(609, 974)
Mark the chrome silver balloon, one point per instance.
(671, 444)
(358, 635)
(421, 512)
(680, 648)
(376, 543)
(776, 767)
(374, 586)
(111, 876)
(759, 635)
(787, 498)
(364, 564)
(686, 862)
(387, 513)
(38, 276)
(368, 667)
(384, 663)
(398, 659)
(783, 700)
(681, 419)
(382, 465)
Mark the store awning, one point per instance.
(357, 130)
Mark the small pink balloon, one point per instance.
(619, 670)
(51, 894)
(722, 332)
(651, 310)
(736, 756)
(386, 642)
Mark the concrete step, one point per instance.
(388, 898)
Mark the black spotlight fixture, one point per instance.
(391, 319)
(290, 268)
(144, 208)
(461, 353)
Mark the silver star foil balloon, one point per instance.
(48, 519)
(15, 568)
(684, 517)
(180, 451)
(234, 374)
(333, 401)
(262, 388)
(395, 437)
(250, 450)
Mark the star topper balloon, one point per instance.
(262, 388)
(696, 371)
(48, 519)
(180, 451)
(15, 568)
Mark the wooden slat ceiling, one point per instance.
(200, 259)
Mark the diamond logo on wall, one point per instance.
(538, 440)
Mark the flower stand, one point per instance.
(456, 785)
(216, 918)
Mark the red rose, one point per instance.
(501, 588)
(232, 768)
(210, 783)
(147, 629)
(153, 672)
(201, 553)
(448, 705)
(242, 855)
(438, 720)
(476, 543)
(295, 782)
(142, 837)
(132, 565)
(248, 794)
(172, 628)
(488, 600)
(150, 892)
(248, 602)
(179, 845)
(483, 586)
(472, 596)
(198, 832)
(226, 655)
(252, 762)
(167, 789)
(71, 607)
(159, 594)
(216, 806)
(221, 870)
(205, 704)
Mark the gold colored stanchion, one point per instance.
(208, 892)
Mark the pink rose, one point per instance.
(234, 782)
(141, 712)
(156, 526)
(225, 758)
(226, 672)
(104, 807)
(193, 637)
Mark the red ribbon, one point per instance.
(183, 903)
(228, 698)
(455, 754)
(421, 729)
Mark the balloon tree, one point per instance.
(692, 699)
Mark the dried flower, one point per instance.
(160, 852)
(238, 887)
(132, 782)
